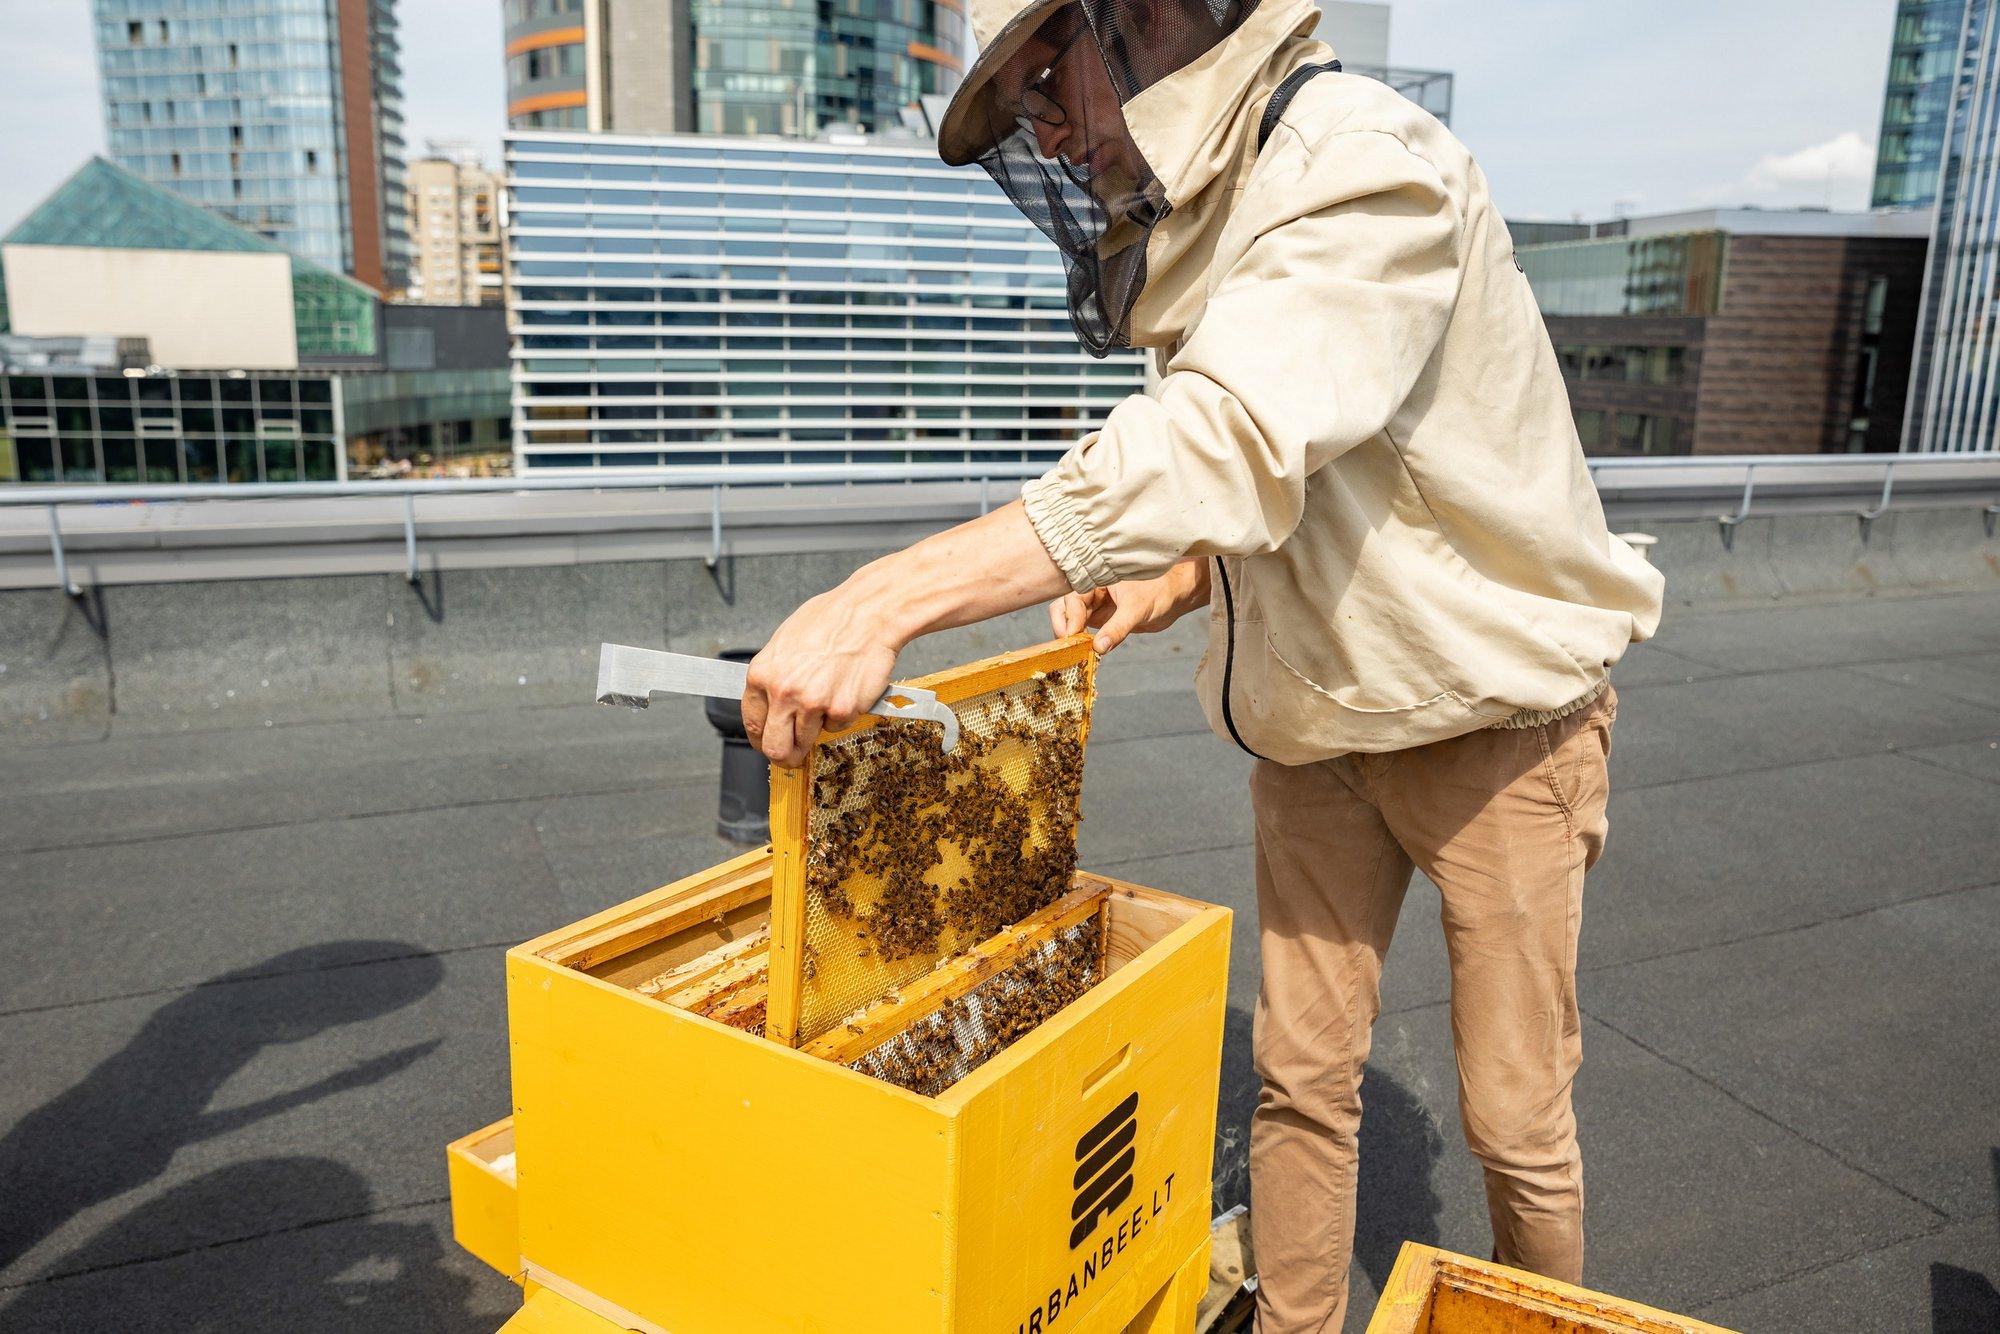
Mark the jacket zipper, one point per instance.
(1229, 658)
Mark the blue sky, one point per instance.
(1573, 107)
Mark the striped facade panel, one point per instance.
(703, 301)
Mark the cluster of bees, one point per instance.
(943, 849)
(939, 1050)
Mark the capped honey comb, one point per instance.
(963, 1034)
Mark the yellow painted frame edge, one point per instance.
(1405, 1304)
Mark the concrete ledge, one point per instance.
(1822, 555)
(246, 653)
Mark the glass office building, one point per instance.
(1916, 104)
(282, 115)
(71, 414)
(546, 52)
(1954, 403)
(782, 67)
(789, 67)
(81, 424)
(1673, 274)
(685, 301)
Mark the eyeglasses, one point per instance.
(1039, 106)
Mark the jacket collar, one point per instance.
(1198, 130)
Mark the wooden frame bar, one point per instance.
(892, 1017)
(1437, 1292)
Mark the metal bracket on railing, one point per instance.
(1868, 517)
(410, 535)
(1729, 521)
(68, 585)
(1992, 512)
(714, 557)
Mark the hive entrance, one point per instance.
(892, 856)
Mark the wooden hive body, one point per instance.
(674, 1173)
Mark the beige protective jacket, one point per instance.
(1360, 415)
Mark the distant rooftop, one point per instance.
(1734, 221)
(1785, 222)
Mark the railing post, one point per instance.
(985, 494)
(1729, 521)
(63, 581)
(714, 557)
(1868, 517)
(410, 535)
(1992, 513)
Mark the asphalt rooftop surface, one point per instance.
(250, 982)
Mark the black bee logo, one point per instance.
(1104, 1158)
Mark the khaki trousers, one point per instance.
(1505, 821)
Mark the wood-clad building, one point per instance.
(1737, 331)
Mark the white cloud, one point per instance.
(1836, 173)
(1846, 159)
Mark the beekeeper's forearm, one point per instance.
(974, 572)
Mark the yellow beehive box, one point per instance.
(677, 1173)
(1436, 1292)
(485, 1216)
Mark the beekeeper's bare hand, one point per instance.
(826, 666)
(833, 657)
(1137, 607)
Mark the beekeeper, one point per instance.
(1360, 459)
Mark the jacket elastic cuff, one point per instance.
(1062, 530)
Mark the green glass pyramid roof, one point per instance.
(104, 205)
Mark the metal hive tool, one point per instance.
(891, 857)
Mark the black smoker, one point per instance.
(743, 814)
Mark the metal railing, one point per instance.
(714, 480)
(1973, 469)
(1696, 479)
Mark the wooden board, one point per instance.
(712, 894)
(1436, 1292)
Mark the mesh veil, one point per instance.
(1063, 152)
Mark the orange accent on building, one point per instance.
(535, 41)
(364, 169)
(955, 6)
(937, 57)
(575, 97)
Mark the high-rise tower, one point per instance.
(727, 66)
(282, 115)
(1916, 102)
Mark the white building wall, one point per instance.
(200, 309)
(1358, 33)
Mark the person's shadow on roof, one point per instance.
(120, 1126)
(385, 1275)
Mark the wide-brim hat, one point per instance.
(1003, 28)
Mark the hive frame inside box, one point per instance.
(703, 945)
(605, 1123)
(792, 813)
